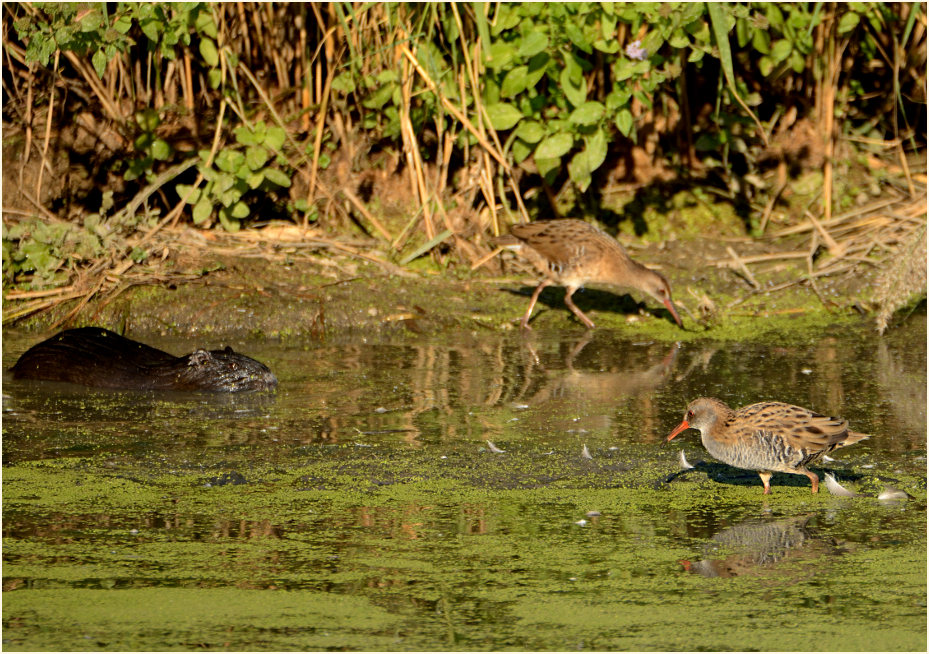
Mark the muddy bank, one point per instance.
(324, 295)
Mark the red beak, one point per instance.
(677, 430)
(673, 311)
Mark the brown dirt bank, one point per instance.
(239, 286)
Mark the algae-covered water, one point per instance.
(362, 507)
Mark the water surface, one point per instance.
(362, 507)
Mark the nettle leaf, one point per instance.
(588, 113)
(554, 147)
(502, 115)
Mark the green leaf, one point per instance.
(761, 41)
(781, 50)
(577, 37)
(276, 176)
(343, 82)
(502, 115)
(239, 210)
(848, 22)
(575, 93)
(229, 160)
(161, 150)
(255, 179)
(501, 54)
(718, 19)
(585, 162)
(255, 157)
(245, 136)
(514, 82)
(537, 67)
(214, 78)
(275, 138)
(208, 52)
(765, 65)
(588, 113)
(183, 189)
(548, 168)
(202, 210)
(229, 223)
(530, 131)
(624, 121)
(99, 62)
(205, 24)
(521, 150)
(554, 147)
(532, 44)
(608, 46)
(123, 23)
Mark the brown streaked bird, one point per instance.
(572, 253)
(768, 437)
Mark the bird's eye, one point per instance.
(690, 415)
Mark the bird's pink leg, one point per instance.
(569, 291)
(535, 298)
(814, 478)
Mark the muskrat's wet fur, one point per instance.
(92, 356)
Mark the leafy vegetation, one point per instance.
(483, 113)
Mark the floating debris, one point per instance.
(585, 453)
(520, 406)
(581, 522)
(380, 409)
(807, 371)
(827, 458)
(685, 465)
(493, 448)
(593, 514)
(835, 488)
(891, 494)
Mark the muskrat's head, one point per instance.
(224, 370)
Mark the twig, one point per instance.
(741, 266)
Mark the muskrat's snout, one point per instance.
(230, 371)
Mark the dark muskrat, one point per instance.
(93, 356)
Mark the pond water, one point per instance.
(476, 491)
